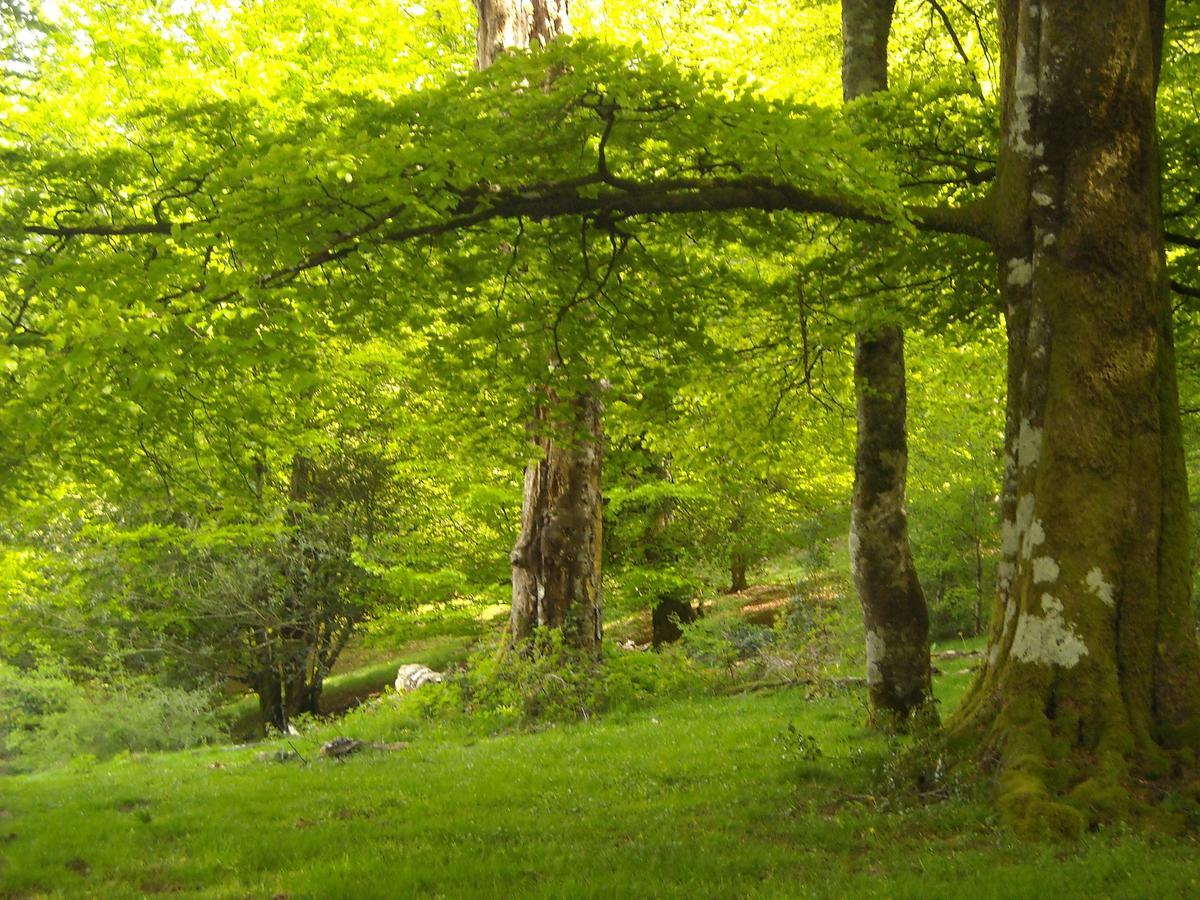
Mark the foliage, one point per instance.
(546, 681)
(796, 746)
(47, 719)
(803, 646)
(725, 642)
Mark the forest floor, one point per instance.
(694, 798)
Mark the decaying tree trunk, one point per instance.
(556, 560)
(517, 25)
(894, 610)
(1093, 675)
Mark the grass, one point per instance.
(687, 799)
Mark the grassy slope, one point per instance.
(690, 799)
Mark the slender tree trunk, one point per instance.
(978, 542)
(738, 571)
(297, 632)
(894, 610)
(556, 560)
(1093, 675)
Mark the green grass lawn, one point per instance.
(687, 799)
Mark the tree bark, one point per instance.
(556, 560)
(517, 25)
(302, 695)
(268, 686)
(1093, 675)
(668, 615)
(738, 574)
(894, 611)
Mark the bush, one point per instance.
(725, 642)
(545, 681)
(47, 719)
(801, 645)
(954, 614)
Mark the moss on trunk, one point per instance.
(893, 603)
(1092, 681)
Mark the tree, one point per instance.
(899, 680)
(1093, 675)
(556, 562)
(1092, 655)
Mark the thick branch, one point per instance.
(1182, 240)
(1185, 290)
(692, 196)
(67, 231)
(623, 200)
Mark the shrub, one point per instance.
(953, 615)
(545, 681)
(724, 642)
(46, 719)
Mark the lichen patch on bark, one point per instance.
(1045, 570)
(1049, 639)
(1097, 585)
(1020, 272)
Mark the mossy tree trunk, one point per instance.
(1092, 677)
(556, 559)
(894, 610)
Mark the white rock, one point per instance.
(414, 675)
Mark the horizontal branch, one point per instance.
(695, 196)
(1182, 240)
(67, 231)
(615, 199)
(1185, 290)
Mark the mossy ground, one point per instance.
(693, 799)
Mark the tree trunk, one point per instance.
(298, 630)
(738, 566)
(556, 560)
(978, 543)
(1093, 675)
(667, 617)
(302, 696)
(894, 611)
(511, 25)
(269, 688)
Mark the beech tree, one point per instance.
(556, 562)
(1093, 675)
(1091, 678)
(899, 683)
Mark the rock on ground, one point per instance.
(412, 676)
